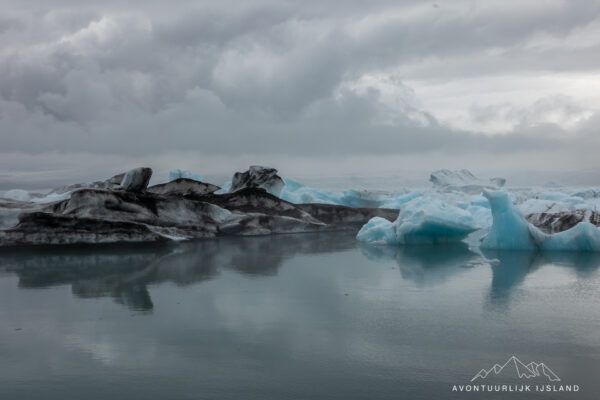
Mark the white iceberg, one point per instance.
(421, 221)
(510, 230)
(462, 180)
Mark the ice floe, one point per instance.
(511, 231)
(421, 221)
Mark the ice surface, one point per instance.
(23, 195)
(378, 231)
(52, 197)
(17, 194)
(137, 179)
(462, 180)
(258, 176)
(224, 188)
(445, 177)
(396, 202)
(421, 221)
(180, 173)
(510, 230)
(297, 193)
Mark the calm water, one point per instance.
(290, 317)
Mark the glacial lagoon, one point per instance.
(305, 316)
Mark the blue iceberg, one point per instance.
(297, 193)
(179, 173)
(511, 231)
(421, 221)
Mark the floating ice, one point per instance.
(136, 180)
(378, 231)
(51, 197)
(180, 173)
(224, 188)
(421, 221)
(398, 201)
(297, 193)
(17, 194)
(462, 180)
(445, 177)
(510, 230)
(24, 196)
(258, 177)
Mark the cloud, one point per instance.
(311, 80)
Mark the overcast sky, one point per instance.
(88, 88)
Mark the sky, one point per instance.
(313, 88)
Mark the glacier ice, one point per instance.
(397, 201)
(421, 221)
(378, 231)
(258, 177)
(180, 173)
(137, 179)
(17, 194)
(297, 193)
(510, 230)
(462, 180)
(24, 196)
(51, 197)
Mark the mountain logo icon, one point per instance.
(514, 367)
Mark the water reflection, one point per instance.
(431, 265)
(296, 316)
(425, 265)
(124, 272)
(512, 267)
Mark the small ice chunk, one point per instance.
(378, 231)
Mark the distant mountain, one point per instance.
(514, 367)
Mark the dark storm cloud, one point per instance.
(301, 78)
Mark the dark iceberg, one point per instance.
(183, 209)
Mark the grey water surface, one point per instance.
(314, 316)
